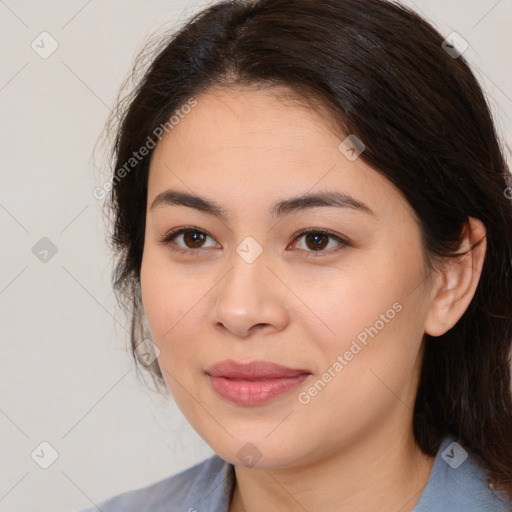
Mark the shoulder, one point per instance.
(459, 484)
(205, 486)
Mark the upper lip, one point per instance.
(252, 370)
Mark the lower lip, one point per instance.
(251, 392)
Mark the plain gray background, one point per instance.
(66, 376)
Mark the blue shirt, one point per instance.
(456, 484)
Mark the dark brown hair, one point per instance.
(427, 128)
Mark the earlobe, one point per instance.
(457, 281)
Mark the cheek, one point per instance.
(342, 307)
(174, 304)
(367, 325)
(164, 306)
(163, 299)
(361, 382)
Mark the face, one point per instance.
(343, 311)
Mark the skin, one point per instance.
(247, 149)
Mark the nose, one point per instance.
(250, 299)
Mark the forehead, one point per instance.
(272, 119)
(257, 144)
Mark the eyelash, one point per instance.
(167, 239)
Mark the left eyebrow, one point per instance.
(331, 199)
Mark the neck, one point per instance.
(385, 471)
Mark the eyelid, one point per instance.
(343, 241)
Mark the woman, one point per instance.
(311, 211)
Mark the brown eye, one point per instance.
(186, 240)
(194, 239)
(316, 241)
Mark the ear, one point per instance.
(455, 284)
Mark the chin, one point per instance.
(260, 453)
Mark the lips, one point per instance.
(255, 382)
